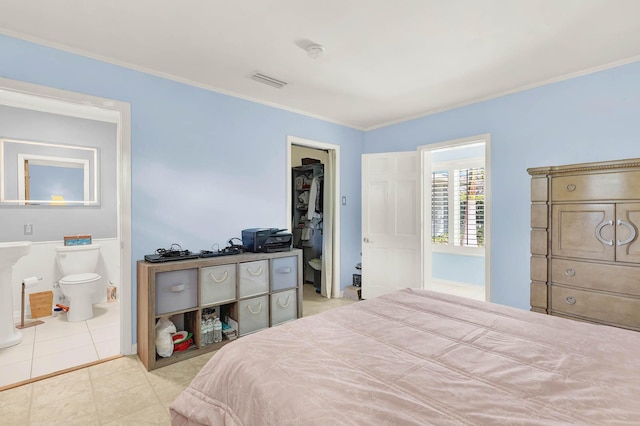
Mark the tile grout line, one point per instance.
(33, 351)
(95, 398)
(94, 347)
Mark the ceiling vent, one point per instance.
(265, 79)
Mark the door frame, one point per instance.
(117, 112)
(308, 143)
(425, 211)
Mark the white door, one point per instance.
(390, 223)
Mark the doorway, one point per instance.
(315, 223)
(456, 207)
(116, 252)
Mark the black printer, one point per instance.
(266, 240)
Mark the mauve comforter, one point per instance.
(418, 357)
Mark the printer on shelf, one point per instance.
(266, 240)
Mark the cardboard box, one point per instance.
(307, 161)
(77, 240)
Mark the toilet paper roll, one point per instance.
(30, 281)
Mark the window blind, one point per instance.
(440, 207)
(464, 197)
(469, 207)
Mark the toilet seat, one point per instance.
(80, 278)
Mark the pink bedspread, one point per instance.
(418, 357)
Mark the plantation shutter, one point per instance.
(469, 207)
(440, 207)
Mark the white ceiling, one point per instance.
(386, 61)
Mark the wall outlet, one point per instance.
(344, 200)
(28, 229)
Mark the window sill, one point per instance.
(460, 251)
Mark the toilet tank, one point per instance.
(77, 259)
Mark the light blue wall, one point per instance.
(590, 118)
(204, 165)
(458, 268)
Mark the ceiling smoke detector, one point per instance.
(315, 50)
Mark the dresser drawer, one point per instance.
(253, 278)
(284, 273)
(599, 307)
(597, 276)
(598, 186)
(284, 306)
(253, 315)
(176, 290)
(217, 284)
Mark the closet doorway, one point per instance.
(312, 200)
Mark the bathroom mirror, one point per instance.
(40, 173)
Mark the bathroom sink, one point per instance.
(10, 253)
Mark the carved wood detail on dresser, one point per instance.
(585, 248)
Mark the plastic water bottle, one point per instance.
(203, 333)
(209, 330)
(217, 331)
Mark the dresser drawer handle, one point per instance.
(599, 232)
(215, 280)
(570, 272)
(570, 300)
(257, 311)
(571, 187)
(257, 272)
(631, 229)
(285, 270)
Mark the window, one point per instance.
(457, 205)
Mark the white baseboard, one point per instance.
(134, 350)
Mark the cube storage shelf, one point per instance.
(257, 290)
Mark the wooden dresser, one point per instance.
(585, 249)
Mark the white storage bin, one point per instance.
(253, 314)
(284, 307)
(176, 290)
(284, 273)
(217, 284)
(253, 278)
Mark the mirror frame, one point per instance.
(90, 167)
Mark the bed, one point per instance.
(420, 357)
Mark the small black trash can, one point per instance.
(317, 280)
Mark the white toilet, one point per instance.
(79, 282)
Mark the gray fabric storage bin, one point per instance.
(253, 314)
(253, 278)
(284, 306)
(217, 284)
(176, 290)
(284, 273)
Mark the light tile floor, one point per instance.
(476, 292)
(58, 344)
(117, 392)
